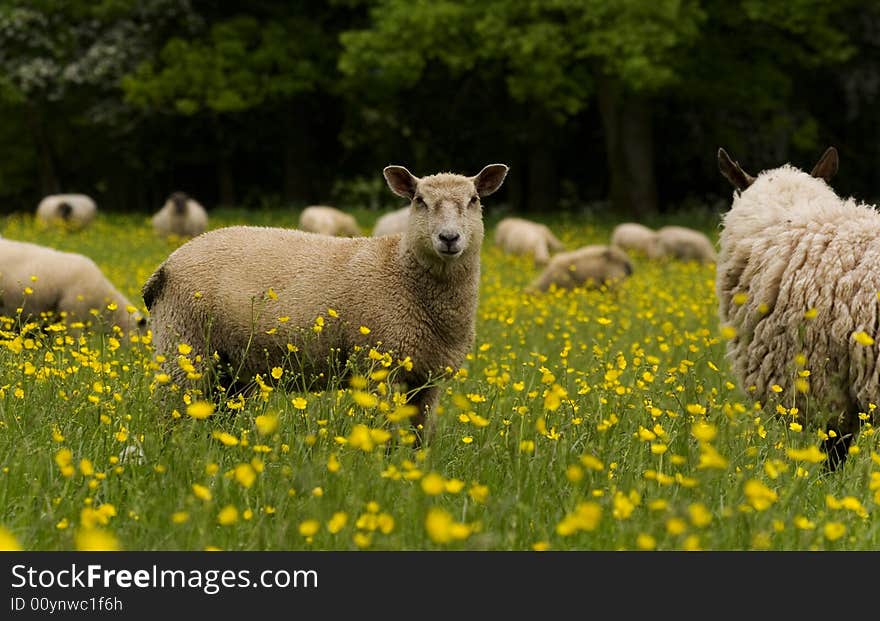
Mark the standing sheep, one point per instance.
(589, 267)
(635, 237)
(182, 216)
(223, 292)
(520, 236)
(797, 279)
(392, 223)
(38, 280)
(328, 221)
(684, 244)
(73, 210)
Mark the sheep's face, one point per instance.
(178, 201)
(446, 216)
(619, 265)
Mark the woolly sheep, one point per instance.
(797, 279)
(590, 267)
(392, 223)
(417, 293)
(635, 237)
(181, 215)
(328, 221)
(60, 282)
(520, 236)
(73, 210)
(684, 244)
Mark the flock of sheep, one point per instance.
(795, 280)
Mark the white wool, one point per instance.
(684, 244)
(632, 236)
(392, 223)
(328, 220)
(58, 282)
(193, 221)
(519, 236)
(790, 245)
(83, 209)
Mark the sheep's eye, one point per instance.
(420, 201)
(473, 200)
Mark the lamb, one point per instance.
(73, 210)
(392, 223)
(684, 244)
(797, 279)
(635, 237)
(520, 236)
(589, 267)
(181, 215)
(328, 221)
(42, 281)
(223, 293)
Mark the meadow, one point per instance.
(581, 420)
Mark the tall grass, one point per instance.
(599, 420)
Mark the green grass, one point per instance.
(597, 420)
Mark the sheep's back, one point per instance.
(769, 285)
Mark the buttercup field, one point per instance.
(447, 275)
(583, 419)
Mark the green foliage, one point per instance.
(549, 50)
(242, 64)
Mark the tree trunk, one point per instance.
(629, 145)
(225, 181)
(48, 175)
(298, 183)
(542, 178)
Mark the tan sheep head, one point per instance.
(824, 169)
(619, 264)
(446, 216)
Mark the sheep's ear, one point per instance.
(730, 169)
(489, 179)
(826, 167)
(401, 181)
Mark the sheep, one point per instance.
(181, 215)
(222, 293)
(392, 223)
(41, 280)
(73, 210)
(797, 280)
(589, 266)
(520, 236)
(328, 221)
(635, 237)
(684, 244)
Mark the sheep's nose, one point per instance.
(449, 238)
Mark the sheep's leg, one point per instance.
(423, 422)
(845, 429)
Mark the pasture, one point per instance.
(581, 420)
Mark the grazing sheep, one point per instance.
(520, 236)
(392, 222)
(684, 244)
(634, 237)
(223, 292)
(39, 280)
(328, 221)
(182, 216)
(589, 267)
(797, 279)
(72, 210)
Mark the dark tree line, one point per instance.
(271, 103)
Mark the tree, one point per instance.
(555, 57)
(60, 65)
(241, 68)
